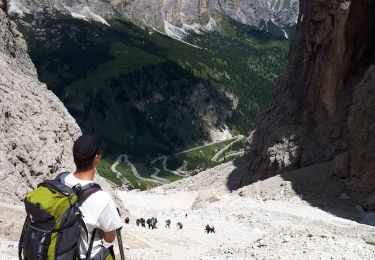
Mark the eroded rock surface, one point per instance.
(322, 108)
(36, 131)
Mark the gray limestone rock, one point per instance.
(36, 131)
(322, 108)
(154, 13)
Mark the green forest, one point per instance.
(146, 93)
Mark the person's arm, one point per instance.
(109, 220)
(108, 237)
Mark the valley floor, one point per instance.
(266, 220)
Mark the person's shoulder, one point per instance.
(102, 195)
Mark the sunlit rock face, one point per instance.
(36, 131)
(155, 13)
(322, 108)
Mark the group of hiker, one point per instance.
(151, 222)
(209, 229)
(86, 215)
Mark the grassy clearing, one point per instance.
(104, 170)
(169, 176)
(234, 148)
(136, 183)
(144, 170)
(200, 159)
(166, 174)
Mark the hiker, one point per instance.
(99, 210)
(179, 225)
(207, 228)
(74, 198)
(151, 222)
(154, 221)
(210, 229)
(127, 220)
(143, 222)
(168, 223)
(137, 222)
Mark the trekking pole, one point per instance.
(119, 240)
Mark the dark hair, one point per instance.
(85, 149)
(82, 163)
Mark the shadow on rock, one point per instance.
(316, 185)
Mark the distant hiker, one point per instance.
(168, 223)
(207, 228)
(137, 222)
(76, 195)
(143, 222)
(127, 220)
(210, 229)
(186, 215)
(151, 222)
(179, 225)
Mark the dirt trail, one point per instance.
(266, 220)
(271, 219)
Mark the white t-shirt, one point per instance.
(99, 211)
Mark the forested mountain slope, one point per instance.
(145, 92)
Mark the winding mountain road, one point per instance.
(119, 176)
(218, 154)
(135, 172)
(164, 162)
(126, 183)
(179, 172)
(155, 176)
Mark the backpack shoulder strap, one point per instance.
(83, 192)
(88, 254)
(86, 191)
(61, 177)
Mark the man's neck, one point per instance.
(85, 175)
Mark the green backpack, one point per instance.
(54, 222)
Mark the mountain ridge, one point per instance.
(201, 15)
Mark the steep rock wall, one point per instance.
(36, 131)
(322, 107)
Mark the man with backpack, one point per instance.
(54, 228)
(99, 210)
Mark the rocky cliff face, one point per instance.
(36, 131)
(322, 108)
(156, 13)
